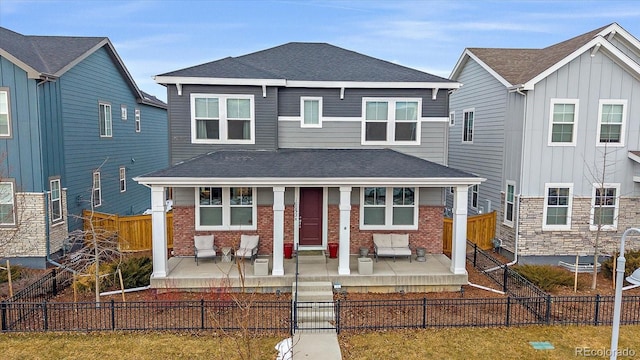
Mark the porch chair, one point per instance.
(204, 247)
(248, 247)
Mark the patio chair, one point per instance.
(204, 247)
(248, 247)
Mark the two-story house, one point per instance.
(307, 143)
(555, 131)
(71, 120)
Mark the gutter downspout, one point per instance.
(517, 204)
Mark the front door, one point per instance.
(310, 217)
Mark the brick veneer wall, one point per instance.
(579, 240)
(428, 235)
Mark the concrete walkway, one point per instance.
(316, 346)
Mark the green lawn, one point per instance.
(461, 343)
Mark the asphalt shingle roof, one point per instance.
(46, 54)
(518, 66)
(308, 163)
(307, 62)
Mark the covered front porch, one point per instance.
(388, 276)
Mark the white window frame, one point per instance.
(226, 210)
(138, 122)
(53, 183)
(303, 99)
(506, 221)
(222, 119)
(575, 103)
(555, 227)
(96, 189)
(592, 224)
(4, 93)
(452, 118)
(391, 121)
(11, 200)
(623, 125)
(388, 223)
(123, 178)
(464, 125)
(108, 120)
(123, 112)
(474, 192)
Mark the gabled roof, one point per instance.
(49, 57)
(308, 166)
(297, 63)
(525, 67)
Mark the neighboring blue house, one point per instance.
(67, 106)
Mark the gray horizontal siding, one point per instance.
(351, 105)
(482, 92)
(180, 119)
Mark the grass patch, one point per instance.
(547, 277)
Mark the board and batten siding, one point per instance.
(94, 80)
(266, 120)
(587, 79)
(342, 121)
(21, 152)
(52, 131)
(483, 157)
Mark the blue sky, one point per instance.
(153, 37)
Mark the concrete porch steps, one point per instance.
(316, 310)
(311, 258)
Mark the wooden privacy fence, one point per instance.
(134, 232)
(481, 229)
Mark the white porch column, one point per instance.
(278, 231)
(158, 232)
(459, 236)
(345, 230)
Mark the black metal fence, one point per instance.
(343, 315)
(44, 288)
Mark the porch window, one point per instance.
(557, 207)
(7, 205)
(222, 119)
(56, 200)
(611, 122)
(604, 206)
(379, 212)
(391, 121)
(225, 208)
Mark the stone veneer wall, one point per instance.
(429, 234)
(578, 240)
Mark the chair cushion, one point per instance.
(400, 240)
(399, 251)
(249, 241)
(382, 240)
(385, 251)
(206, 253)
(203, 242)
(243, 252)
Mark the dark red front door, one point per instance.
(310, 216)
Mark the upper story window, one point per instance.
(391, 121)
(398, 211)
(56, 200)
(452, 118)
(222, 119)
(123, 179)
(226, 208)
(123, 112)
(106, 127)
(7, 204)
(563, 121)
(509, 202)
(467, 126)
(311, 110)
(612, 116)
(604, 206)
(137, 115)
(5, 115)
(96, 190)
(557, 207)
